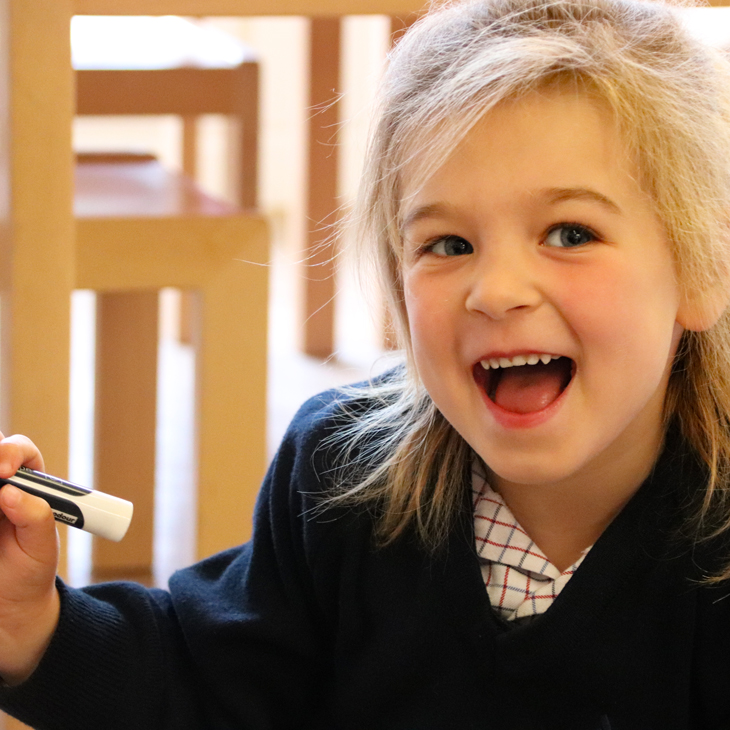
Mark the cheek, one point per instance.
(432, 326)
(627, 311)
(592, 305)
(427, 309)
(423, 326)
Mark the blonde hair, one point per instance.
(670, 96)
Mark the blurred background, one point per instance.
(280, 46)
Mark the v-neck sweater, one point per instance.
(520, 580)
(311, 625)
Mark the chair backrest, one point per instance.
(187, 92)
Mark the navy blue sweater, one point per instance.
(311, 626)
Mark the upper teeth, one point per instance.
(508, 362)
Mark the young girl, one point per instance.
(546, 198)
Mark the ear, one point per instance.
(698, 311)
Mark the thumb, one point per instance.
(35, 527)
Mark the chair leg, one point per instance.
(190, 168)
(189, 146)
(231, 375)
(126, 405)
(248, 136)
(322, 201)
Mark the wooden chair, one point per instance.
(322, 203)
(188, 93)
(141, 228)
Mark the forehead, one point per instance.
(547, 140)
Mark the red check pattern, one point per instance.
(520, 580)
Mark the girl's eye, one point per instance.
(569, 235)
(450, 246)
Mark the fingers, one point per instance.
(28, 517)
(23, 510)
(17, 451)
(35, 527)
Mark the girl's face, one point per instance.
(535, 242)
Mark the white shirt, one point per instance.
(519, 579)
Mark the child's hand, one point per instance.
(29, 603)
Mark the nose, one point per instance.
(505, 281)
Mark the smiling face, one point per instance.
(534, 242)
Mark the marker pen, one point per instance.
(87, 509)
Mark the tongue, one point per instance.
(530, 388)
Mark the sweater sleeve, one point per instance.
(239, 640)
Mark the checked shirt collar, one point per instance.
(520, 580)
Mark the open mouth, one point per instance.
(524, 384)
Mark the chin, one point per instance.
(527, 476)
(530, 468)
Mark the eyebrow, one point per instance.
(560, 195)
(435, 210)
(551, 195)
